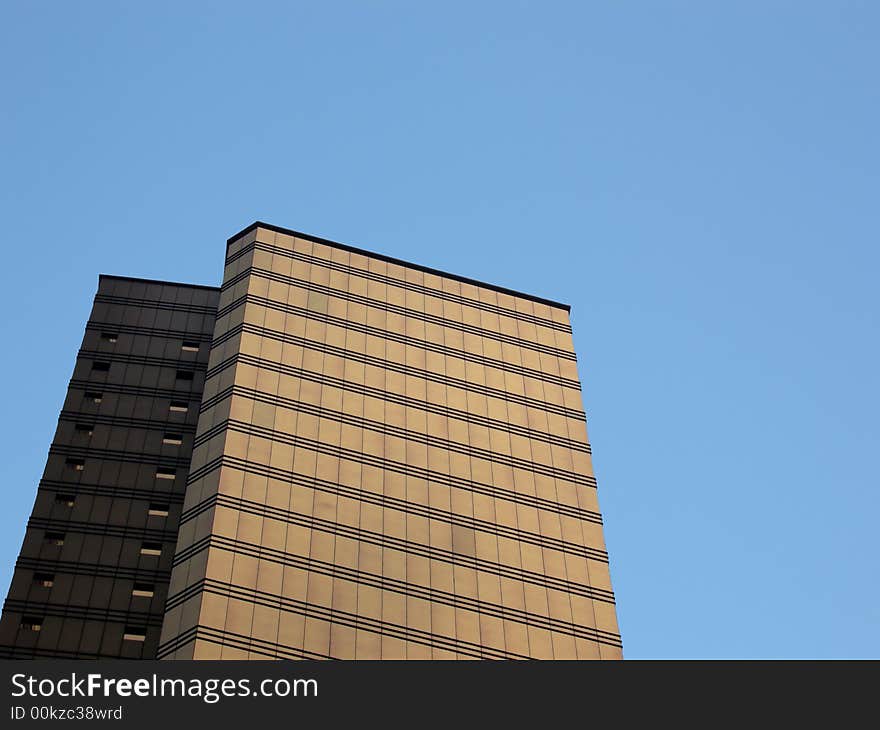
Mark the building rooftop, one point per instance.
(390, 259)
(158, 281)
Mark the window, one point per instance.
(65, 500)
(84, 429)
(44, 580)
(75, 464)
(190, 346)
(142, 589)
(166, 474)
(100, 366)
(134, 633)
(174, 439)
(31, 623)
(54, 538)
(94, 396)
(185, 374)
(158, 509)
(178, 406)
(151, 548)
(109, 336)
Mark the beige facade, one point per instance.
(390, 463)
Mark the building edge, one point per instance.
(392, 260)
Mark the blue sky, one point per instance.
(699, 181)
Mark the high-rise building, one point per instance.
(93, 573)
(389, 462)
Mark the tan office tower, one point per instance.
(390, 463)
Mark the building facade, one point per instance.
(389, 462)
(93, 573)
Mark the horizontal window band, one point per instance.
(429, 595)
(470, 418)
(489, 490)
(129, 359)
(406, 547)
(444, 480)
(140, 303)
(35, 652)
(113, 491)
(141, 391)
(250, 644)
(409, 507)
(375, 625)
(38, 652)
(389, 366)
(428, 513)
(464, 385)
(350, 620)
(102, 528)
(399, 505)
(400, 339)
(400, 283)
(401, 467)
(145, 331)
(98, 570)
(151, 619)
(85, 613)
(378, 538)
(384, 306)
(304, 562)
(311, 482)
(123, 457)
(147, 424)
(377, 426)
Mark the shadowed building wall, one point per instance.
(93, 572)
(391, 462)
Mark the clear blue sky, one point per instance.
(698, 179)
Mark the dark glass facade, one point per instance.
(93, 573)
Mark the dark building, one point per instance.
(388, 461)
(92, 577)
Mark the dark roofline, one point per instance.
(157, 281)
(392, 260)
